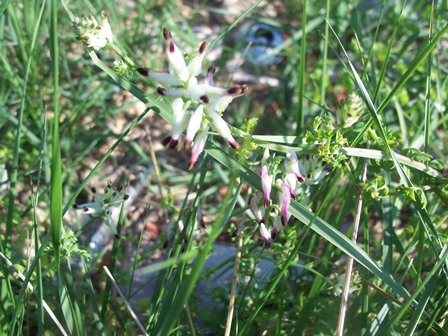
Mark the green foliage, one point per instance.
(328, 141)
(377, 188)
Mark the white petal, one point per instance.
(292, 165)
(256, 209)
(195, 66)
(266, 154)
(265, 234)
(106, 30)
(222, 103)
(198, 147)
(178, 118)
(222, 128)
(194, 124)
(165, 79)
(177, 61)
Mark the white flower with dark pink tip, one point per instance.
(193, 125)
(291, 181)
(292, 165)
(222, 128)
(198, 147)
(179, 123)
(265, 234)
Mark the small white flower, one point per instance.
(103, 204)
(265, 234)
(292, 165)
(93, 34)
(193, 125)
(179, 123)
(291, 181)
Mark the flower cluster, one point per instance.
(291, 177)
(196, 106)
(94, 35)
(102, 205)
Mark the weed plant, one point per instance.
(336, 179)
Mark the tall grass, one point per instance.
(70, 122)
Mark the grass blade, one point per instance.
(56, 175)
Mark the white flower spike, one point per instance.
(93, 35)
(206, 100)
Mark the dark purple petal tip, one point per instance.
(174, 143)
(166, 141)
(172, 48)
(161, 91)
(284, 221)
(233, 90)
(202, 47)
(234, 145)
(211, 70)
(143, 71)
(166, 34)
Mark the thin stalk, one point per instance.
(348, 273)
(300, 117)
(234, 283)
(56, 166)
(325, 56)
(190, 319)
(428, 86)
(112, 264)
(127, 304)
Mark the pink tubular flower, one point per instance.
(291, 181)
(292, 165)
(284, 200)
(266, 179)
(198, 147)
